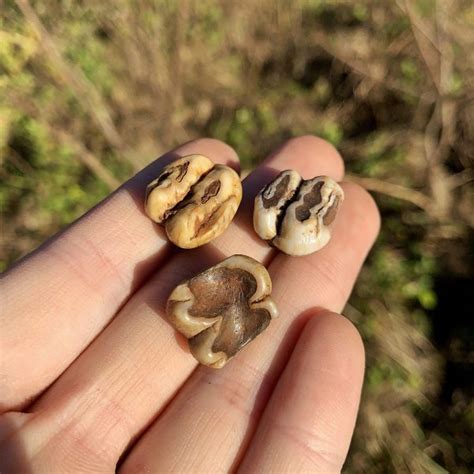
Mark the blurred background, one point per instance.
(90, 92)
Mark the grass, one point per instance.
(91, 93)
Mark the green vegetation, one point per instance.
(91, 92)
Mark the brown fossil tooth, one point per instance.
(223, 308)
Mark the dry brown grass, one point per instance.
(93, 92)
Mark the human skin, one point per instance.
(94, 378)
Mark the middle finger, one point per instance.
(120, 383)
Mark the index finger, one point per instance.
(75, 283)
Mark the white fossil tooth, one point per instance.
(303, 220)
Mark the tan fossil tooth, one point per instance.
(194, 199)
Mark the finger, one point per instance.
(60, 297)
(310, 156)
(221, 408)
(308, 423)
(119, 384)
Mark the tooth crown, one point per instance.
(194, 199)
(223, 308)
(294, 214)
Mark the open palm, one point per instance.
(94, 378)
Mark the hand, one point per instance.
(103, 379)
